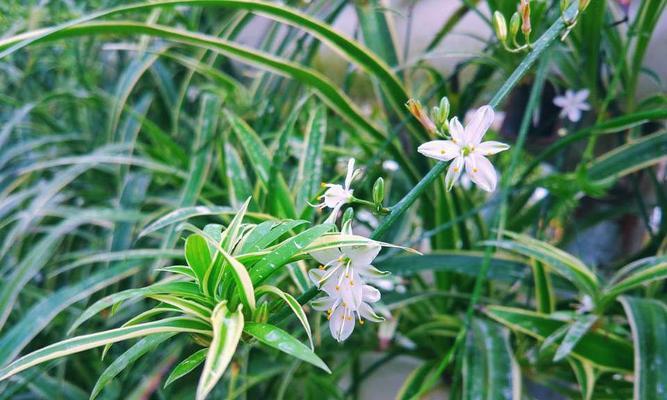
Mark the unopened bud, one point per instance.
(500, 26)
(441, 114)
(378, 191)
(524, 9)
(416, 109)
(515, 22)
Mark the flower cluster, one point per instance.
(342, 277)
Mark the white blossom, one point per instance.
(336, 196)
(572, 104)
(466, 150)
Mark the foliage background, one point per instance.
(106, 130)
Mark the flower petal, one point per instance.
(481, 171)
(350, 173)
(453, 172)
(341, 324)
(370, 294)
(574, 114)
(478, 125)
(326, 256)
(443, 150)
(323, 303)
(370, 271)
(362, 255)
(366, 312)
(581, 95)
(491, 147)
(457, 131)
(560, 101)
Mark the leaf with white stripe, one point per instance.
(227, 329)
(86, 342)
(648, 320)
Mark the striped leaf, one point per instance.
(293, 304)
(227, 329)
(186, 366)
(604, 350)
(648, 320)
(489, 368)
(566, 265)
(86, 342)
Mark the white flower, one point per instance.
(342, 317)
(573, 104)
(466, 149)
(336, 196)
(341, 277)
(341, 272)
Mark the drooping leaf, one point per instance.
(227, 328)
(277, 338)
(86, 342)
(186, 366)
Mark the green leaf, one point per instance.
(293, 304)
(648, 320)
(281, 254)
(575, 332)
(585, 374)
(639, 273)
(231, 234)
(186, 366)
(629, 158)
(279, 339)
(124, 361)
(265, 234)
(242, 279)
(86, 342)
(309, 175)
(182, 214)
(227, 329)
(489, 368)
(42, 313)
(260, 159)
(545, 298)
(414, 383)
(503, 268)
(566, 265)
(238, 271)
(238, 182)
(187, 306)
(184, 289)
(198, 257)
(603, 349)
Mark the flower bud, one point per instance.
(500, 26)
(415, 108)
(515, 22)
(378, 191)
(347, 216)
(524, 9)
(441, 115)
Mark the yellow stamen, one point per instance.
(474, 170)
